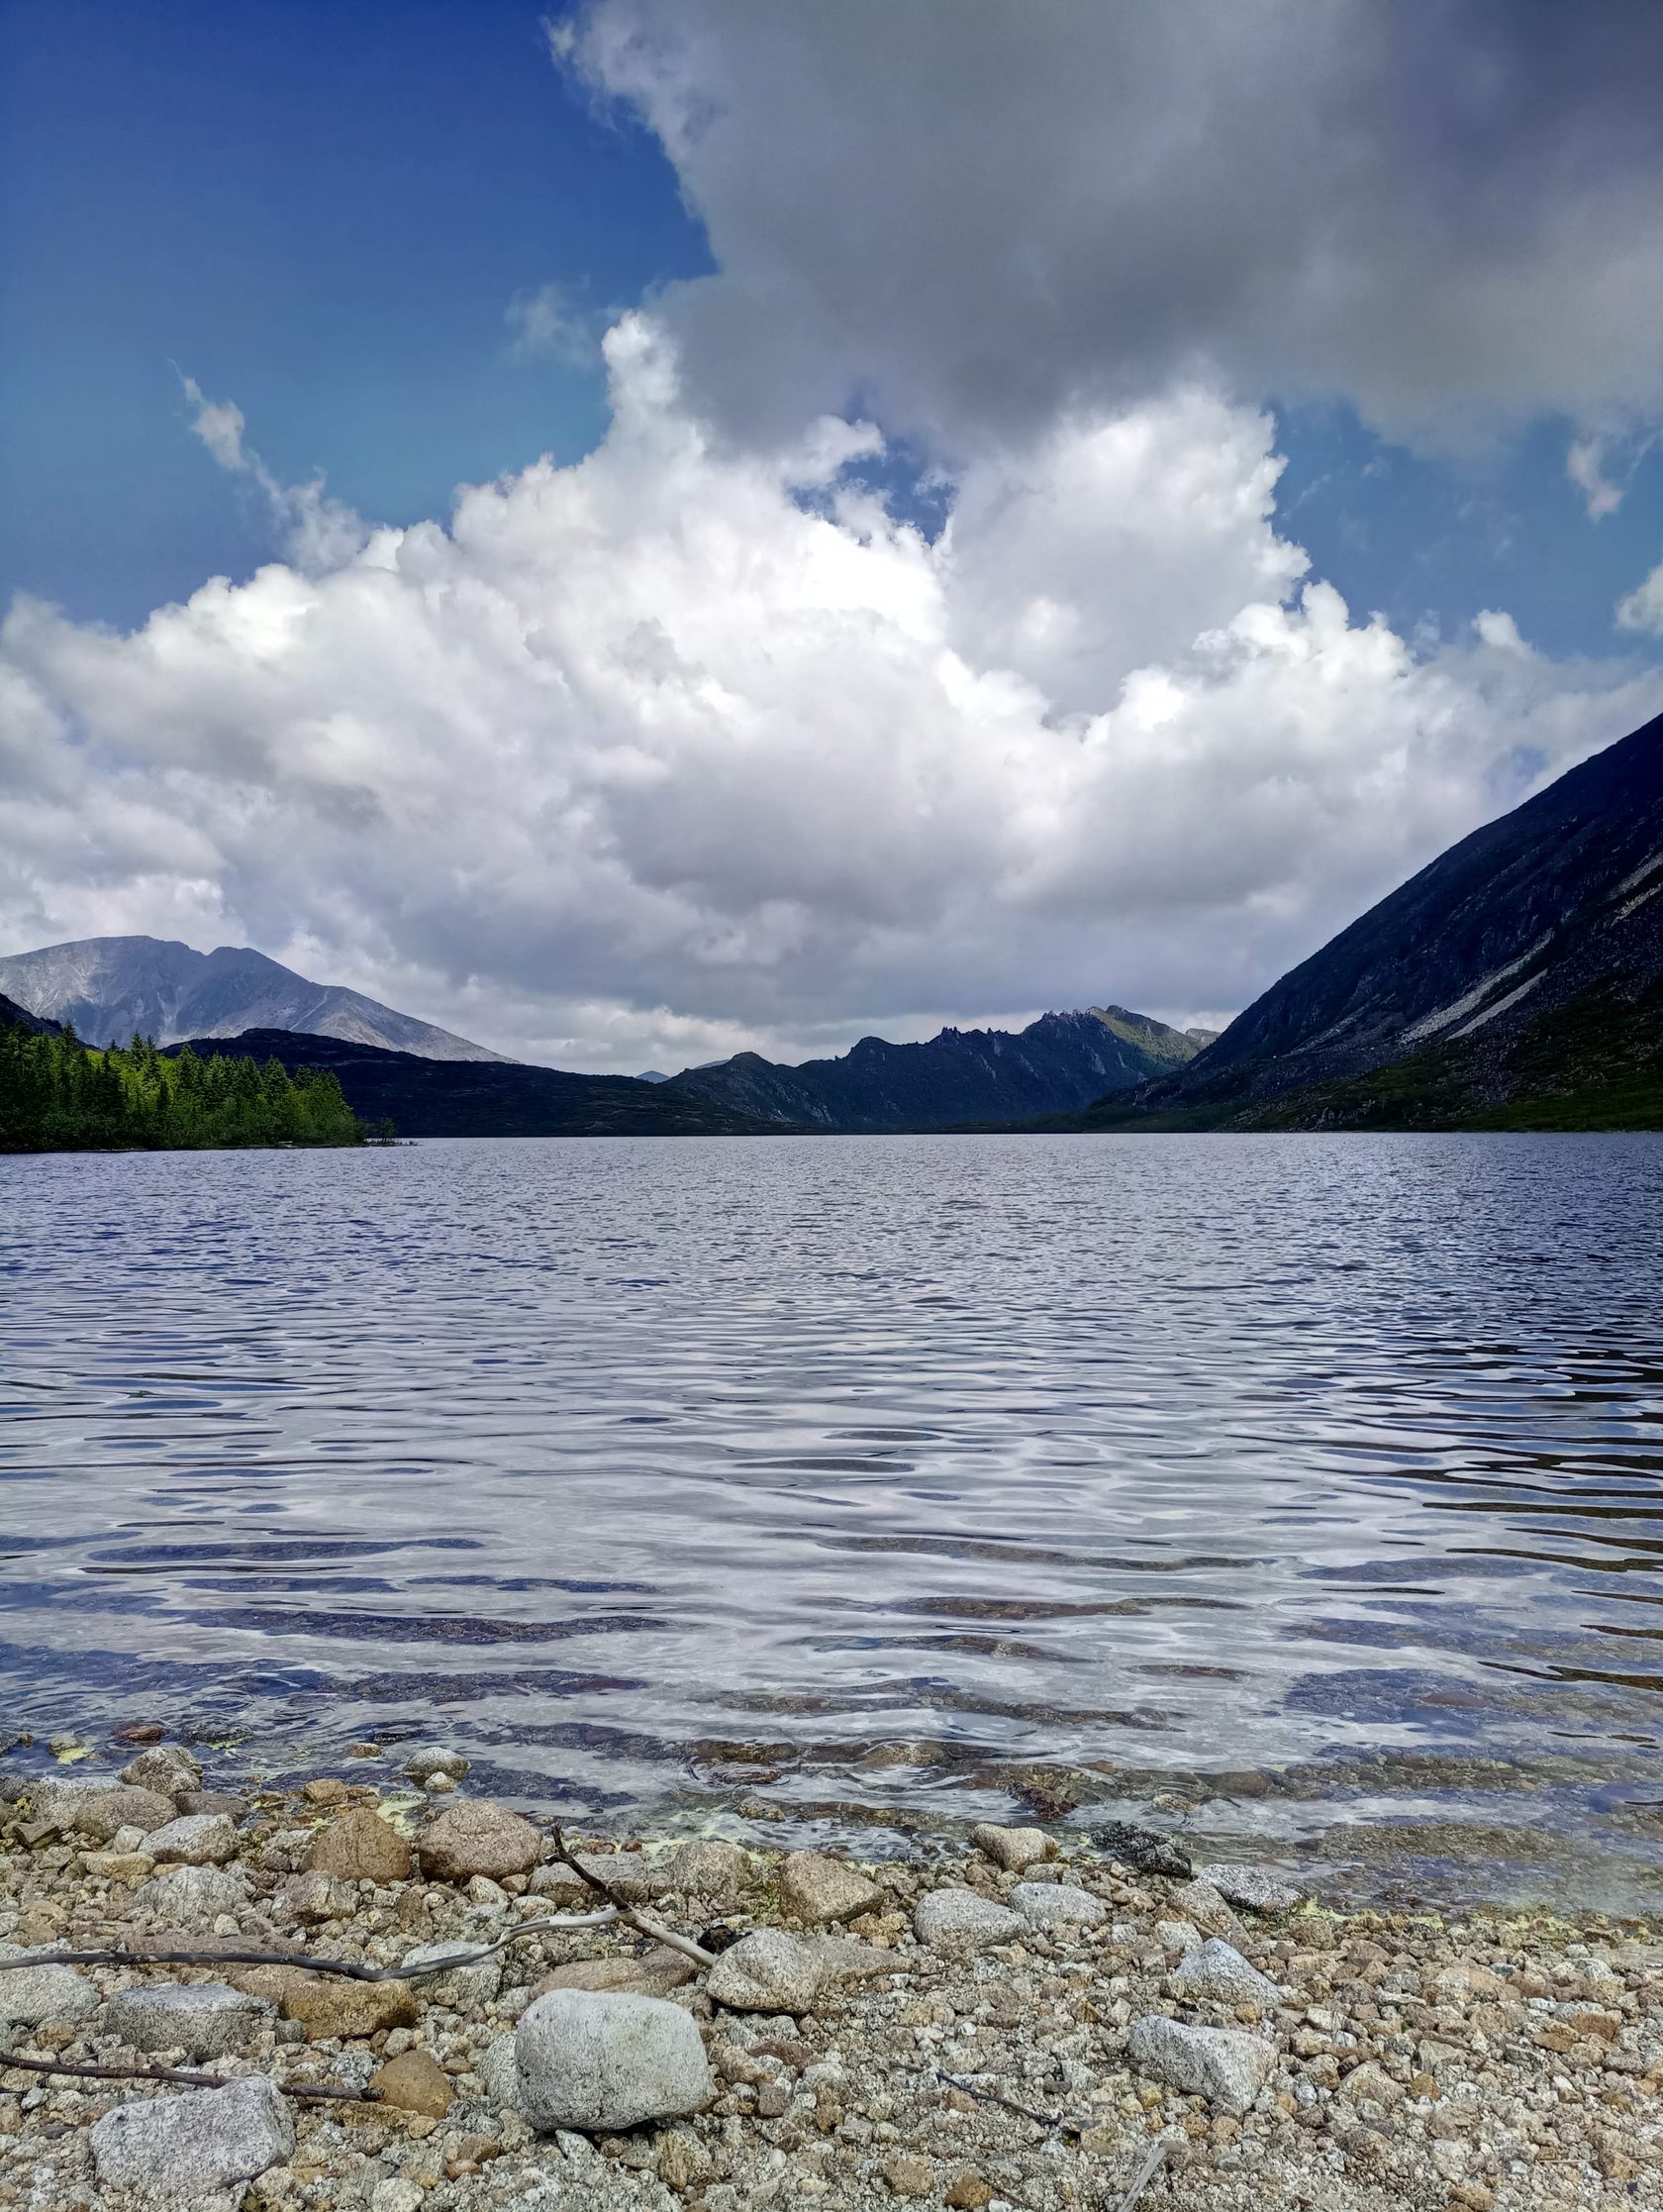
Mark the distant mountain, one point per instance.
(110, 986)
(487, 1098)
(652, 1075)
(1056, 1064)
(1516, 981)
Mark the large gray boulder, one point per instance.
(817, 1888)
(767, 1971)
(32, 1996)
(193, 1840)
(96, 1809)
(599, 2061)
(192, 1896)
(1014, 1849)
(179, 2148)
(1220, 2063)
(478, 1839)
(1218, 1971)
(204, 2020)
(166, 1768)
(949, 1919)
(1057, 1904)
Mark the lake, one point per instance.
(1304, 1488)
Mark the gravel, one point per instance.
(1380, 2060)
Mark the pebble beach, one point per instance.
(1000, 2019)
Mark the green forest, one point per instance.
(57, 1094)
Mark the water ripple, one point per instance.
(1311, 1481)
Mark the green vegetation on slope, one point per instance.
(1594, 1063)
(57, 1095)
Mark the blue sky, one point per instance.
(327, 211)
(324, 209)
(1181, 320)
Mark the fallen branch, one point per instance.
(353, 1970)
(1143, 2176)
(642, 1922)
(178, 2077)
(1052, 2121)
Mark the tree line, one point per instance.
(57, 1094)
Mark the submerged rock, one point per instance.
(599, 2061)
(1144, 1850)
(435, 1758)
(1254, 1888)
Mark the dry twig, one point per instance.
(1146, 2174)
(1052, 2121)
(177, 2075)
(353, 1970)
(642, 1922)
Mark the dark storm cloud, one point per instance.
(1444, 213)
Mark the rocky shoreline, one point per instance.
(1030, 2022)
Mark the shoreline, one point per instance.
(972, 2027)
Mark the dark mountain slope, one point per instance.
(113, 986)
(11, 1011)
(1055, 1064)
(1523, 967)
(486, 1098)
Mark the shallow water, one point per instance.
(1309, 1484)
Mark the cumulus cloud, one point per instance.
(551, 324)
(1442, 211)
(1585, 465)
(691, 745)
(316, 531)
(1642, 609)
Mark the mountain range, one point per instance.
(111, 986)
(1058, 1062)
(975, 1076)
(1517, 981)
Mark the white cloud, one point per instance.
(1585, 465)
(549, 324)
(1642, 609)
(1444, 211)
(688, 745)
(317, 532)
(1497, 630)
